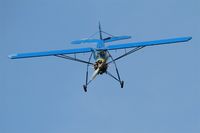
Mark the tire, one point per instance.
(85, 88)
(122, 84)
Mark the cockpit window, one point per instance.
(101, 54)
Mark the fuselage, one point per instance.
(101, 58)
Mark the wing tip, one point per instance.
(12, 56)
(189, 38)
(75, 42)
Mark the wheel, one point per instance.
(85, 88)
(122, 84)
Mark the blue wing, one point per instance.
(50, 53)
(148, 43)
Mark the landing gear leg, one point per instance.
(86, 81)
(118, 76)
(120, 81)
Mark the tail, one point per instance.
(100, 31)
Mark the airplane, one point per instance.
(101, 54)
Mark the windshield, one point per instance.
(101, 54)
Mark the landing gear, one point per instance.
(122, 84)
(118, 76)
(85, 88)
(86, 80)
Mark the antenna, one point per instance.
(100, 32)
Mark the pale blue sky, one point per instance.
(45, 95)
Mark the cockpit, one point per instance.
(101, 58)
(101, 54)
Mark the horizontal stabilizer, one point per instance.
(116, 38)
(85, 41)
(105, 40)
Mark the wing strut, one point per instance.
(130, 52)
(74, 59)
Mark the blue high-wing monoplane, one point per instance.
(101, 53)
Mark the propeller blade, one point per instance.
(95, 74)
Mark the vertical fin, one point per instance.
(100, 44)
(100, 33)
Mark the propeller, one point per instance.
(96, 72)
